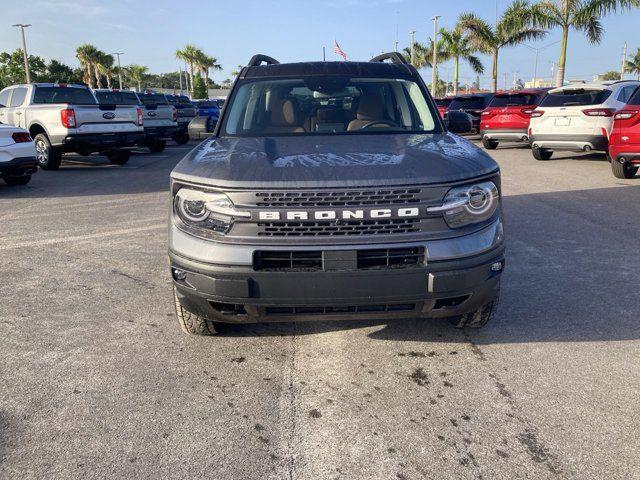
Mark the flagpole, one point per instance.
(324, 55)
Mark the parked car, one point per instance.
(186, 112)
(624, 142)
(473, 105)
(159, 119)
(506, 118)
(17, 155)
(443, 103)
(577, 118)
(207, 108)
(315, 200)
(67, 118)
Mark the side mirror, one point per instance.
(458, 122)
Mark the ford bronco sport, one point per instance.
(334, 190)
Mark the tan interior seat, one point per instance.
(370, 109)
(285, 117)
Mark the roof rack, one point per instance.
(258, 59)
(395, 57)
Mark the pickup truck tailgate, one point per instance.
(106, 118)
(158, 116)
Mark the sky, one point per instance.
(149, 32)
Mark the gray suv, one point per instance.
(334, 190)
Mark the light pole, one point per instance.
(434, 73)
(117, 54)
(538, 50)
(24, 49)
(412, 45)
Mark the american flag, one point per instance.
(338, 51)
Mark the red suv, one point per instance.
(506, 118)
(624, 141)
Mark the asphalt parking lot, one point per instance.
(97, 380)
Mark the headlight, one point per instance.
(468, 204)
(206, 211)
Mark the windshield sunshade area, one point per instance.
(117, 98)
(575, 97)
(328, 105)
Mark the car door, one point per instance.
(5, 98)
(15, 112)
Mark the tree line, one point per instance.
(99, 70)
(521, 22)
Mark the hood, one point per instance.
(333, 161)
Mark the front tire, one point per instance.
(17, 181)
(489, 144)
(118, 157)
(48, 157)
(541, 153)
(479, 317)
(191, 323)
(623, 170)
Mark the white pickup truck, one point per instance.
(67, 118)
(159, 118)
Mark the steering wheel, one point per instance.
(379, 122)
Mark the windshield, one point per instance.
(152, 99)
(516, 99)
(575, 97)
(117, 98)
(178, 100)
(321, 105)
(72, 95)
(468, 103)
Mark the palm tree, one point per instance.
(88, 56)
(104, 66)
(137, 74)
(458, 46)
(633, 65)
(513, 28)
(204, 63)
(236, 72)
(581, 15)
(189, 55)
(423, 54)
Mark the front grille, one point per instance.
(390, 258)
(346, 198)
(309, 261)
(339, 309)
(287, 261)
(344, 227)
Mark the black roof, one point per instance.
(302, 69)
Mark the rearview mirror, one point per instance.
(458, 122)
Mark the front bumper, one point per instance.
(510, 135)
(18, 166)
(456, 277)
(160, 133)
(100, 142)
(571, 143)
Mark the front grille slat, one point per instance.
(345, 227)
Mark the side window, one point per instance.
(18, 97)
(625, 93)
(4, 98)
